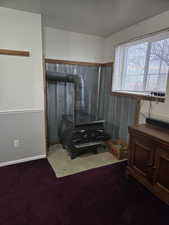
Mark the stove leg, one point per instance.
(64, 146)
(72, 155)
(95, 151)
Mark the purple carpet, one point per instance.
(30, 194)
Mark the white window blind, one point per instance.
(142, 66)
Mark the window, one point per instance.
(142, 66)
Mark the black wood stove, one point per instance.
(83, 136)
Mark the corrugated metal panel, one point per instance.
(118, 112)
(60, 96)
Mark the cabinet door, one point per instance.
(142, 155)
(161, 173)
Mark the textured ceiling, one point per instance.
(97, 17)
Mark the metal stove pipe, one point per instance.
(79, 88)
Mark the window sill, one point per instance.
(140, 96)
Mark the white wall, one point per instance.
(65, 45)
(21, 81)
(160, 110)
(21, 85)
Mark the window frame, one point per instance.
(115, 83)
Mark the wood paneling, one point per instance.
(58, 61)
(107, 64)
(14, 52)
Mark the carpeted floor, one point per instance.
(30, 194)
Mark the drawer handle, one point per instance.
(149, 164)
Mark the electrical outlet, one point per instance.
(16, 143)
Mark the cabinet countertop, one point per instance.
(152, 131)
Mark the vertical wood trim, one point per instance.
(137, 113)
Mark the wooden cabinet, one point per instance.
(161, 173)
(149, 158)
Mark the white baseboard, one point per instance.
(21, 111)
(27, 159)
